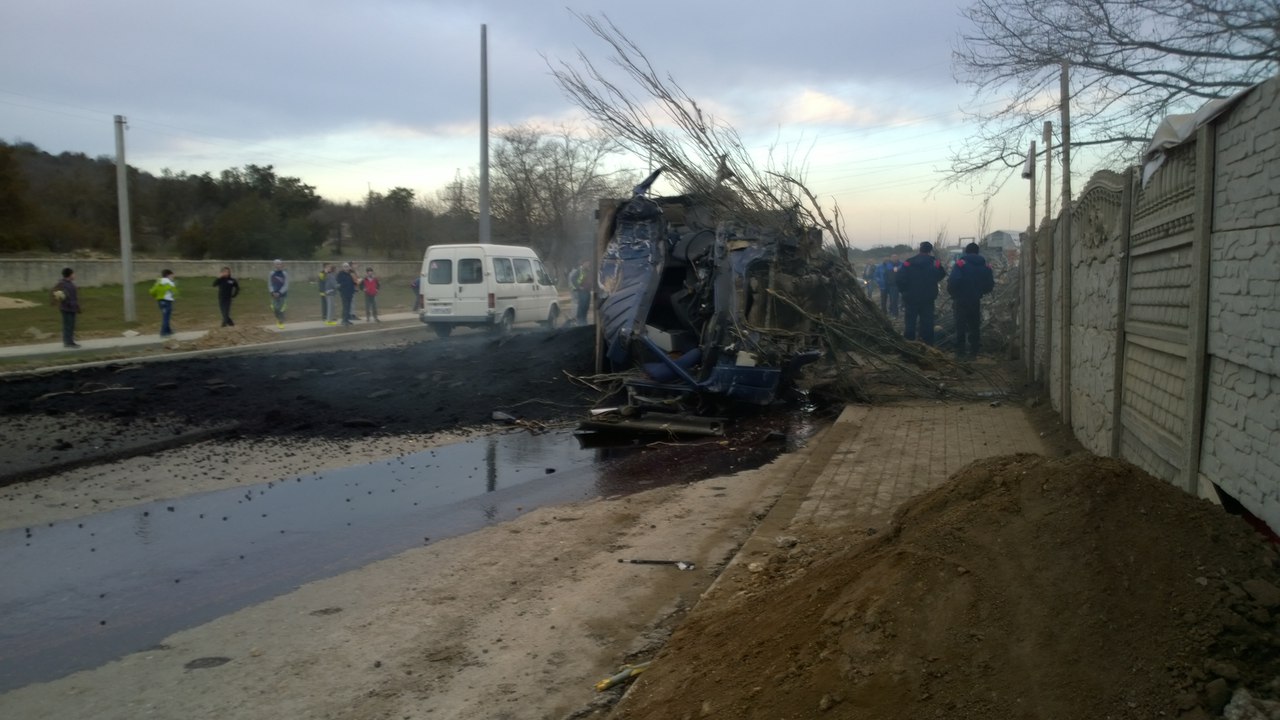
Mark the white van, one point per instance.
(485, 285)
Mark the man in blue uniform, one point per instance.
(918, 280)
(886, 278)
(970, 280)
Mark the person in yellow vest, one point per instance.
(165, 291)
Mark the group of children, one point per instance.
(334, 284)
(344, 284)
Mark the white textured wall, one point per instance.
(1241, 446)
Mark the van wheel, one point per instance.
(553, 317)
(442, 329)
(503, 326)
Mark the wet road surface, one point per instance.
(81, 592)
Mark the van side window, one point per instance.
(543, 277)
(470, 271)
(440, 272)
(524, 270)
(502, 271)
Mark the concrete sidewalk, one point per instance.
(143, 341)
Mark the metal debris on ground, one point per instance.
(626, 673)
(680, 564)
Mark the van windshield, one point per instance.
(440, 272)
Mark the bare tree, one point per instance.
(1132, 63)
(984, 220)
(545, 188)
(703, 155)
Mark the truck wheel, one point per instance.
(442, 329)
(553, 317)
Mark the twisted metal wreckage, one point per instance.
(697, 312)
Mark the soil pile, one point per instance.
(1025, 587)
(231, 337)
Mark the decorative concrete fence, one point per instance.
(1155, 312)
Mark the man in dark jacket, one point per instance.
(886, 278)
(347, 290)
(970, 280)
(67, 298)
(918, 280)
(228, 287)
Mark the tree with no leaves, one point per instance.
(545, 187)
(1132, 62)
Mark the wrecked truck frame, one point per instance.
(702, 312)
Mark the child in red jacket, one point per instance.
(369, 285)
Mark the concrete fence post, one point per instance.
(1198, 312)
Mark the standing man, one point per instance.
(581, 292)
(970, 279)
(918, 280)
(228, 287)
(278, 285)
(887, 280)
(165, 290)
(869, 279)
(329, 294)
(324, 299)
(67, 298)
(347, 289)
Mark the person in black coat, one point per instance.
(970, 280)
(347, 289)
(67, 298)
(918, 280)
(228, 287)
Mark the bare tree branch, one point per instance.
(1132, 63)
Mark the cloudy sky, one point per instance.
(352, 95)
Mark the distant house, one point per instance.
(1003, 247)
(1003, 240)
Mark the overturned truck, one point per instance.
(699, 312)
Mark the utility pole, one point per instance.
(1028, 259)
(1066, 245)
(1047, 138)
(126, 231)
(485, 233)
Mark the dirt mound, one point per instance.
(1023, 588)
(231, 337)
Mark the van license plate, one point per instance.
(440, 311)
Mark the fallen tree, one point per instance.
(770, 209)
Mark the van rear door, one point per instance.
(437, 284)
(455, 287)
